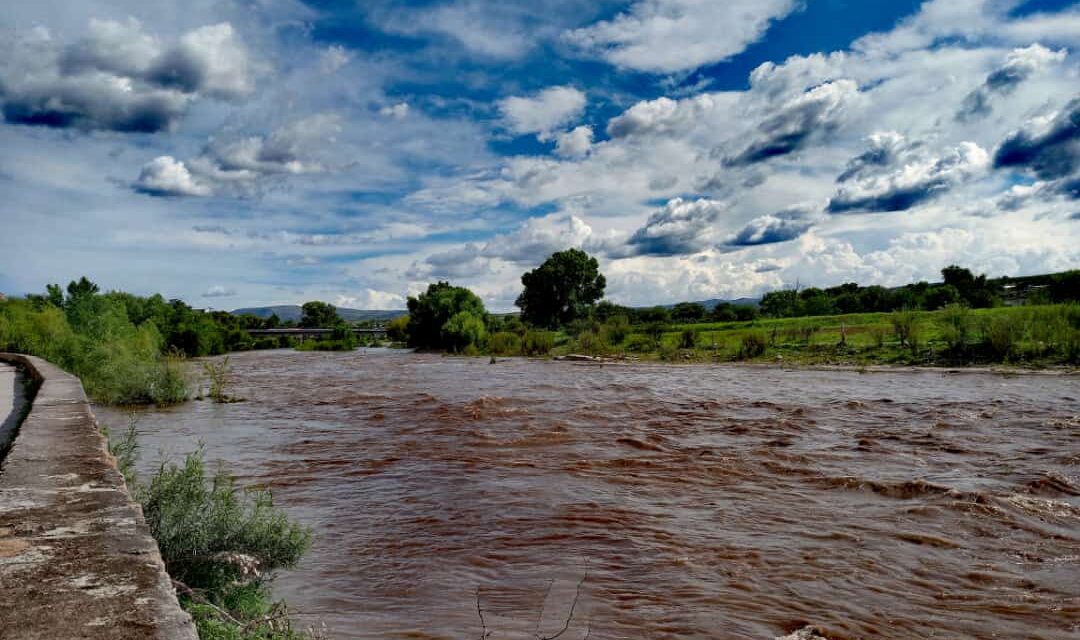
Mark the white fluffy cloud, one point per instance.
(543, 112)
(167, 176)
(574, 143)
(239, 166)
(118, 77)
(664, 36)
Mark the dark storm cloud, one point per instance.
(1018, 67)
(914, 182)
(798, 122)
(118, 78)
(771, 229)
(1049, 150)
(680, 228)
(884, 150)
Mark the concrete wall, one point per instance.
(76, 558)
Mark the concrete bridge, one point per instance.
(76, 557)
(305, 333)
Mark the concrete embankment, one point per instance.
(76, 558)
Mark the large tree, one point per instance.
(318, 315)
(431, 312)
(561, 290)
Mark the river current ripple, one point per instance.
(686, 501)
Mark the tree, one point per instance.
(689, 312)
(462, 330)
(430, 311)
(318, 315)
(562, 289)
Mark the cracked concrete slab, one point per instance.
(76, 558)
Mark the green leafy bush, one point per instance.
(688, 339)
(752, 346)
(537, 343)
(212, 534)
(504, 343)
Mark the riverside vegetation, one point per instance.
(961, 321)
(220, 543)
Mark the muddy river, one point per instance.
(651, 501)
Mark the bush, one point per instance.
(1002, 335)
(537, 343)
(504, 343)
(956, 327)
(753, 345)
(212, 535)
(615, 330)
(591, 343)
(688, 339)
(906, 326)
(640, 343)
(398, 329)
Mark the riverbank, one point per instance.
(1034, 337)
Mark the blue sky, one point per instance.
(242, 152)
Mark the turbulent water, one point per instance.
(656, 501)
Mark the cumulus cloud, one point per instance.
(530, 244)
(370, 299)
(219, 291)
(240, 165)
(118, 77)
(771, 229)
(1020, 65)
(166, 176)
(884, 149)
(1048, 147)
(665, 36)
(395, 111)
(574, 143)
(799, 121)
(660, 117)
(543, 112)
(901, 188)
(681, 227)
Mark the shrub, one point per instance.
(212, 534)
(688, 339)
(668, 352)
(591, 342)
(398, 329)
(615, 330)
(640, 343)
(504, 343)
(877, 335)
(906, 326)
(753, 345)
(1002, 334)
(537, 343)
(956, 327)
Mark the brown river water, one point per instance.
(686, 501)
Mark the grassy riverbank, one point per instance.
(1030, 336)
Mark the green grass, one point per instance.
(1030, 336)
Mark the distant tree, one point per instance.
(940, 296)
(606, 309)
(561, 289)
(318, 315)
(780, 304)
(462, 330)
(656, 314)
(430, 311)
(1065, 287)
(55, 295)
(746, 312)
(81, 289)
(273, 322)
(723, 312)
(689, 312)
(398, 329)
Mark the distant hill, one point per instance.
(711, 303)
(292, 313)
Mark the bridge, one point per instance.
(304, 333)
